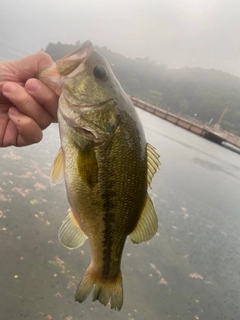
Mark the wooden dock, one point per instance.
(212, 133)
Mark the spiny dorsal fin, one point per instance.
(152, 163)
(147, 225)
(70, 234)
(57, 172)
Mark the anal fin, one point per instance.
(70, 234)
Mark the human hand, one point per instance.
(27, 106)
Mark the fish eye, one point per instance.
(100, 72)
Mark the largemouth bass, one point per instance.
(107, 167)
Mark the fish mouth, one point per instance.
(74, 63)
(68, 66)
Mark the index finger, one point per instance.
(23, 69)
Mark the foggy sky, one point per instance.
(179, 33)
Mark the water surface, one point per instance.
(189, 270)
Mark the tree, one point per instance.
(154, 97)
(187, 90)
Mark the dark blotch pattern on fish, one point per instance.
(108, 220)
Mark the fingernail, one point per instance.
(32, 85)
(9, 87)
(13, 112)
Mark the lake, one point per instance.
(190, 270)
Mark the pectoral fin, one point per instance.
(147, 225)
(70, 234)
(152, 163)
(57, 172)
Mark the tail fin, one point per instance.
(106, 291)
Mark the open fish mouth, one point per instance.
(74, 63)
(66, 67)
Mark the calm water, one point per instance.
(190, 270)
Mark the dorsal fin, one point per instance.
(147, 225)
(57, 172)
(70, 234)
(152, 163)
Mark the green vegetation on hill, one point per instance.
(194, 92)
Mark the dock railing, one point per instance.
(213, 133)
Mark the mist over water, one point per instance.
(176, 33)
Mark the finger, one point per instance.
(9, 135)
(4, 124)
(44, 95)
(28, 67)
(28, 131)
(27, 104)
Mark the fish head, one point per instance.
(88, 92)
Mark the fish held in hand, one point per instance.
(107, 167)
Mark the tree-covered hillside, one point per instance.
(194, 92)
